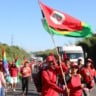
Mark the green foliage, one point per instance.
(45, 53)
(89, 46)
(90, 42)
(13, 51)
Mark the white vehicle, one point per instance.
(73, 52)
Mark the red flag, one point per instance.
(60, 20)
(65, 55)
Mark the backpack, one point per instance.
(37, 79)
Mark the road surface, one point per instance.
(33, 92)
(18, 92)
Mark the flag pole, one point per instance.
(59, 58)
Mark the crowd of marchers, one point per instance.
(65, 78)
(58, 77)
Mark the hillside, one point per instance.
(13, 51)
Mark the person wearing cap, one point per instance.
(49, 86)
(88, 74)
(74, 85)
(80, 64)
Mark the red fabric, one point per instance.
(74, 86)
(66, 22)
(49, 87)
(65, 55)
(65, 68)
(13, 71)
(58, 70)
(88, 74)
(95, 72)
(2, 67)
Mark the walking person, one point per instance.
(14, 75)
(2, 83)
(88, 74)
(74, 85)
(49, 75)
(26, 74)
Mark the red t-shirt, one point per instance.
(13, 71)
(49, 87)
(88, 74)
(74, 86)
(26, 71)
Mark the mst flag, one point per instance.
(85, 32)
(59, 20)
(63, 24)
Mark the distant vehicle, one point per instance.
(72, 51)
(36, 58)
(40, 59)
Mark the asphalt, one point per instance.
(18, 92)
(33, 92)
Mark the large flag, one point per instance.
(5, 63)
(63, 24)
(85, 32)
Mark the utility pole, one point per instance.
(12, 40)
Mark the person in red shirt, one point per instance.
(26, 74)
(74, 85)
(14, 75)
(88, 74)
(49, 86)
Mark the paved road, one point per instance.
(93, 92)
(33, 92)
(18, 92)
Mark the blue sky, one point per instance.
(21, 20)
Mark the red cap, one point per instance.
(74, 65)
(49, 59)
(90, 60)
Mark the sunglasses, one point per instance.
(75, 67)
